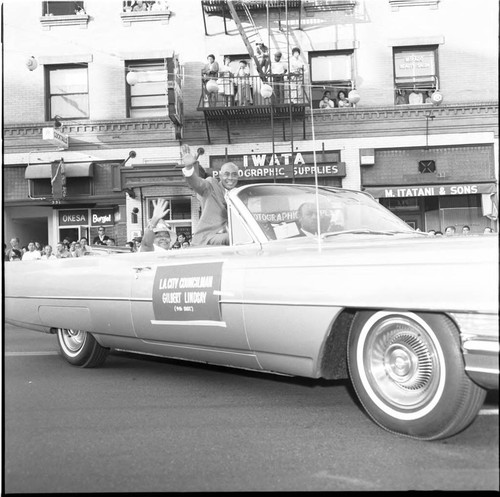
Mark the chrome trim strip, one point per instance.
(199, 322)
(482, 370)
(65, 297)
(481, 346)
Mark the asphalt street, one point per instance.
(142, 424)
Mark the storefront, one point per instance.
(433, 207)
(73, 224)
(431, 189)
(297, 167)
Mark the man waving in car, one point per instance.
(212, 226)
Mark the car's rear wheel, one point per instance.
(408, 372)
(80, 348)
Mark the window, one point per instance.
(234, 65)
(330, 71)
(415, 74)
(74, 187)
(147, 98)
(144, 6)
(180, 208)
(62, 8)
(67, 92)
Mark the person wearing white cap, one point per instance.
(158, 234)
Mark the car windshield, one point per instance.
(288, 211)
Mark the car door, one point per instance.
(189, 301)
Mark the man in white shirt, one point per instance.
(415, 98)
(48, 253)
(278, 71)
(32, 254)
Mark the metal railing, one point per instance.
(234, 91)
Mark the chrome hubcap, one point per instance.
(401, 362)
(73, 339)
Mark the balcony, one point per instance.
(219, 7)
(242, 98)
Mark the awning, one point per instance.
(71, 170)
(430, 190)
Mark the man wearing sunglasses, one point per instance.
(101, 238)
(212, 226)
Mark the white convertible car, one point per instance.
(411, 319)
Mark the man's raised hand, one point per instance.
(160, 209)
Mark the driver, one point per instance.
(212, 226)
(307, 220)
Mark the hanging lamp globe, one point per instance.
(212, 86)
(354, 97)
(437, 98)
(31, 63)
(266, 91)
(132, 78)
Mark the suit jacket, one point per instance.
(97, 240)
(213, 207)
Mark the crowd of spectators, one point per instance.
(79, 248)
(413, 97)
(35, 251)
(237, 86)
(451, 230)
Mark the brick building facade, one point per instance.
(381, 145)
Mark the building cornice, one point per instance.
(366, 121)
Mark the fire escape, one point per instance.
(288, 101)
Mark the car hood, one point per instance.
(458, 274)
(396, 249)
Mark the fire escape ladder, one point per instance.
(248, 38)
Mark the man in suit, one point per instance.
(212, 226)
(101, 238)
(307, 219)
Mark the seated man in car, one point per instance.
(307, 220)
(212, 226)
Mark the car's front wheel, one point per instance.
(80, 348)
(408, 372)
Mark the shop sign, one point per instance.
(55, 137)
(102, 217)
(410, 65)
(74, 217)
(282, 165)
(431, 190)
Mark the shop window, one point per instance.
(415, 74)
(459, 201)
(331, 71)
(67, 91)
(406, 203)
(62, 8)
(180, 208)
(74, 187)
(147, 97)
(234, 65)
